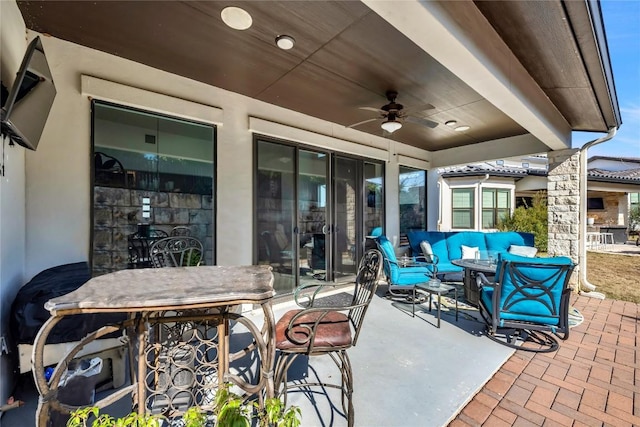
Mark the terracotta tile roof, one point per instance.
(629, 175)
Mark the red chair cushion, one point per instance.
(332, 331)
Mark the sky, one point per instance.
(622, 27)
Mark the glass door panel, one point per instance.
(344, 232)
(374, 198)
(275, 213)
(313, 215)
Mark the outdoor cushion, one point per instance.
(427, 250)
(447, 245)
(530, 310)
(500, 242)
(410, 276)
(469, 252)
(332, 331)
(527, 251)
(467, 238)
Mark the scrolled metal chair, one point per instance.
(318, 330)
(527, 306)
(176, 251)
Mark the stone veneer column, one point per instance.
(563, 192)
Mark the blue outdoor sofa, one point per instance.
(447, 245)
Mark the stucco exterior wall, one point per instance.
(13, 43)
(58, 205)
(477, 183)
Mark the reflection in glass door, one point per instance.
(313, 215)
(345, 230)
(275, 212)
(374, 196)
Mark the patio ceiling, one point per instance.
(349, 53)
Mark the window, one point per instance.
(596, 203)
(150, 172)
(496, 205)
(634, 200)
(462, 200)
(411, 196)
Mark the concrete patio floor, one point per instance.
(410, 373)
(406, 371)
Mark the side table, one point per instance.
(434, 288)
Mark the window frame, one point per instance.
(472, 208)
(496, 211)
(422, 196)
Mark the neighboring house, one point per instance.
(166, 115)
(475, 196)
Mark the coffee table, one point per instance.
(471, 267)
(434, 287)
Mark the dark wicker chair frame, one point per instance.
(317, 330)
(176, 251)
(528, 305)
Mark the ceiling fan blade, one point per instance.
(417, 108)
(362, 122)
(420, 121)
(377, 110)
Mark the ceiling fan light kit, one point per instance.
(393, 115)
(391, 125)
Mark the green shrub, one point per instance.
(531, 219)
(634, 220)
(229, 410)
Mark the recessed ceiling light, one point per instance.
(285, 42)
(462, 128)
(451, 123)
(236, 18)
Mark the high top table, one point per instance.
(177, 334)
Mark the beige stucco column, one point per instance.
(563, 189)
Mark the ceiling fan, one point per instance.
(392, 115)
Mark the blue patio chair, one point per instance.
(402, 279)
(527, 306)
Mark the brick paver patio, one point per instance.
(592, 380)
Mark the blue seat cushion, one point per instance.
(474, 239)
(411, 276)
(530, 304)
(501, 241)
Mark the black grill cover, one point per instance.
(28, 313)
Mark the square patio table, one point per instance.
(434, 287)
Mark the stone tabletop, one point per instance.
(482, 265)
(154, 288)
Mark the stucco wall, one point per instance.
(477, 183)
(12, 193)
(47, 220)
(58, 173)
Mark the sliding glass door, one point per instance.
(275, 217)
(313, 215)
(347, 199)
(310, 212)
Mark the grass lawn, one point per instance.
(616, 276)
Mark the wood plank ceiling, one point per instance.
(345, 57)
